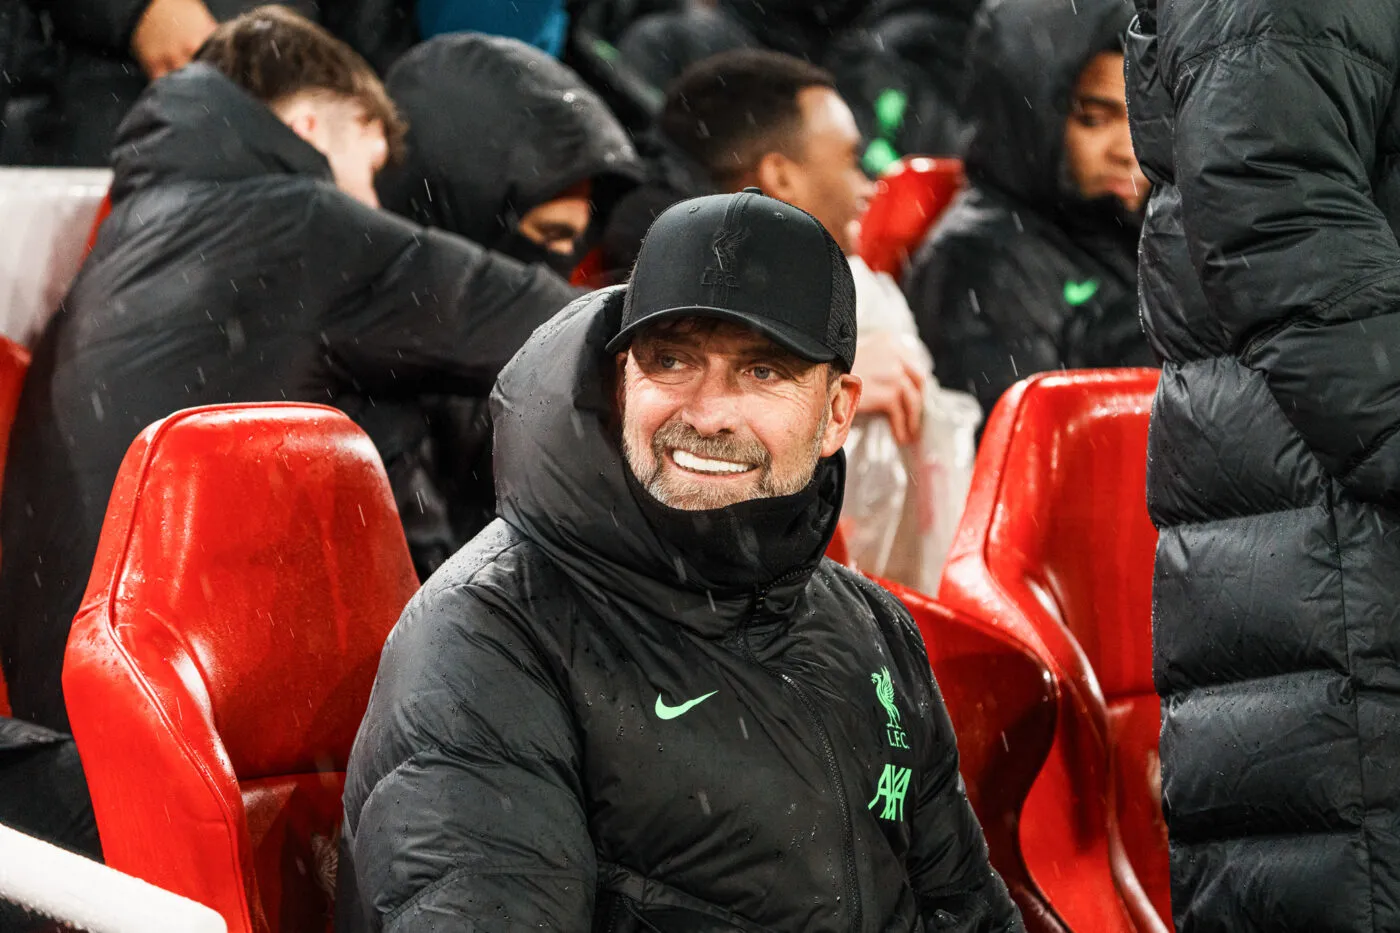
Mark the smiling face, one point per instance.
(714, 414)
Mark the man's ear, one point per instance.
(844, 399)
(299, 113)
(777, 176)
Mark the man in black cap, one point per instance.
(641, 699)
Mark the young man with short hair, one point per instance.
(642, 699)
(1034, 266)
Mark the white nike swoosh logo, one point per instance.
(671, 712)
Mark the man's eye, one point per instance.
(666, 361)
(763, 373)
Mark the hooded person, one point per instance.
(236, 267)
(509, 148)
(506, 147)
(643, 699)
(1269, 270)
(1034, 266)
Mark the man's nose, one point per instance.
(713, 407)
(1121, 148)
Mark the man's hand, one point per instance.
(169, 33)
(893, 385)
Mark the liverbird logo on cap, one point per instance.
(725, 246)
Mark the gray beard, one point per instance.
(678, 491)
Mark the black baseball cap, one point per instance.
(750, 259)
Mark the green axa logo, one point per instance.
(884, 689)
(894, 784)
(1076, 293)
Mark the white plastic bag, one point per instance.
(903, 505)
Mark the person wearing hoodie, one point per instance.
(643, 699)
(1034, 266)
(1270, 277)
(242, 262)
(506, 147)
(509, 148)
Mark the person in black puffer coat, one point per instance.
(1270, 277)
(1034, 266)
(642, 699)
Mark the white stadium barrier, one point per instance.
(48, 215)
(87, 896)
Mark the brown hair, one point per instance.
(274, 53)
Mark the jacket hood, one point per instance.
(563, 482)
(1024, 59)
(197, 125)
(497, 127)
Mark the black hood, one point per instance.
(1024, 59)
(562, 481)
(197, 125)
(497, 127)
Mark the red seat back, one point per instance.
(251, 565)
(910, 197)
(1056, 547)
(14, 361)
(1001, 699)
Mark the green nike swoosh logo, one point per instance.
(671, 712)
(1076, 293)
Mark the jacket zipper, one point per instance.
(833, 770)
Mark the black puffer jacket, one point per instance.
(1271, 286)
(1022, 274)
(605, 714)
(231, 269)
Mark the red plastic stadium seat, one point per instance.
(911, 196)
(14, 361)
(1056, 548)
(251, 565)
(1002, 700)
